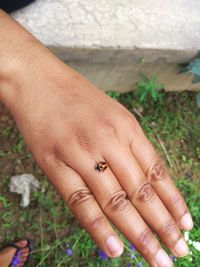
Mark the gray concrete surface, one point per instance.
(106, 40)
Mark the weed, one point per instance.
(7, 132)
(194, 68)
(149, 88)
(2, 154)
(114, 94)
(198, 99)
(19, 147)
(59, 241)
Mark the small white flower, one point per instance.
(186, 235)
(196, 245)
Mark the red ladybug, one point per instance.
(101, 166)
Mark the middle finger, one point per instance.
(115, 204)
(145, 200)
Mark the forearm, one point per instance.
(14, 48)
(22, 60)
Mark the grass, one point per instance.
(172, 125)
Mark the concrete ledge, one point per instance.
(107, 40)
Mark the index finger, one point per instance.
(160, 179)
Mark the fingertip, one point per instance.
(186, 222)
(114, 246)
(162, 259)
(181, 248)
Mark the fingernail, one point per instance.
(181, 248)
(114, 246)
(186, 222)
(162, 259)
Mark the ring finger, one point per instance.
(113, 201)
(145, 200)
(83, 205)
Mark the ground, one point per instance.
(173, 125)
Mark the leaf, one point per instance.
(196, 79)
(184, 68)
(154, 95)
(144, 78)
(198, 99)
(195, 67)
(143, 96)
(148, 87)
(153, 79)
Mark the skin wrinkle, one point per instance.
(145, 193)
(168, 227)
(175, 199)
(117, 203)
(106, 130)
(52, 160)
(84, 141)
(96, 221)
(76, 118)
(157, 172)
(79, 197)
(149, 247)
(145, 238)
(147, 215)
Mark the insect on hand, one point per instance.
(101, 166)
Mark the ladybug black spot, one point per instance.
(101, 166)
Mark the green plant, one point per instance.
(198, 99)
(198, 152)
(149, 88)
(194, 68)
(19, 147)
(58, 239)
(113, 94)
(7, 132)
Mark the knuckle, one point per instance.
(157, 172)
(131, 122)
(118, 202)
(78, 197)
(145, 193)
(106, 129)
(145, 238)
(168, 227)
(50, 157)
(129, 118)
(176, 199)
(177, 202)
(85, 141)
(96, 222)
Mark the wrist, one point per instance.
(14, 55)
(23, 62)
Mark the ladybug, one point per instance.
(101, 166)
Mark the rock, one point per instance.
(113, 42)
(24, 184)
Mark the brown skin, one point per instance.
(7, 254)
(69, 125)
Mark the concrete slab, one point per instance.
(114, 35)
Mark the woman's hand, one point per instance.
(69, 126)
